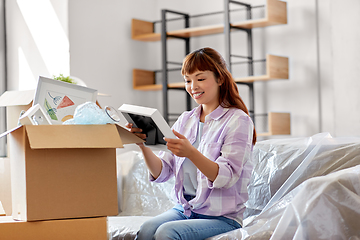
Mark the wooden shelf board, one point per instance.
(252, 79)
(278, 124)
(149, 37)
(276, 68)
(255, 23)
(198, 31)
(205, 30)
(154, 87)
(177, 85)
(264, 134)
(276, 14)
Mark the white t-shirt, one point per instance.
(189, 169)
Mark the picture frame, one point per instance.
(35, 116)
(150, 121)
(60, 99)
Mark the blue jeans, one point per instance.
(173, 224)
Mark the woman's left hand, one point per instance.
(181, 147)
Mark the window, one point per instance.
(2, 75)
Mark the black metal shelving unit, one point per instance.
(276, 66)
(165, 62)
(229, 55)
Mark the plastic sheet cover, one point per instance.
(326, 207)
(301, 188)
(282, 164)
(140, 197)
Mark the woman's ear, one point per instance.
(220, 82)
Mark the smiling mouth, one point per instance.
(197, 95)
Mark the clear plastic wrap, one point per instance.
(124, 228)
(140, 197)
(301, 188)
(282, 164)
(326, 207)
(89, 113)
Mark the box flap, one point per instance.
(15, 98)
(73, 136)
(127, 137)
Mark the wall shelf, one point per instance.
(144, 80)
(275, 14)
(278, 124)
(277, 67)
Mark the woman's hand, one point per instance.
(181, 147)
(137, 132)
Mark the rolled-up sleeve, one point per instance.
(167, 167)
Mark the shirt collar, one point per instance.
(215, 115)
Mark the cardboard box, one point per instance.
(74, 229)
(5, 185)
(15, 102)
(65, 171)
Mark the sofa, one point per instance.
(301, 188)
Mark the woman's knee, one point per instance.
(166, 232)
(147, 230)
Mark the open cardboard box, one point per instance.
(15, 102)
(65, 171)
(74, 229)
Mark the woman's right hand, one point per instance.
(136, 131)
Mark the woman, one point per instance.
(210, 159)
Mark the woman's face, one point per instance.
(203, 88)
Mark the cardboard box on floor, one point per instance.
(74, 229)
(5, 185)
(65, 171)
(15, 102)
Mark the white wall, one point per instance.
(319, 39)
(341, 69)
(37, 39)
(102, 52)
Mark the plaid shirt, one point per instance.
(227, 140)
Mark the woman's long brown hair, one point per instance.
(207, 59)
